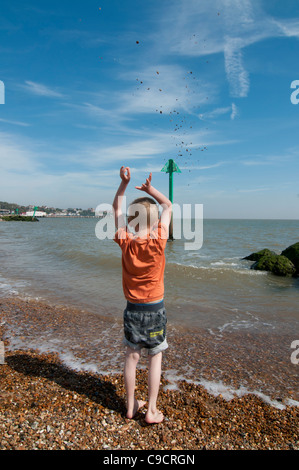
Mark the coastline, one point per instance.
(46, 404)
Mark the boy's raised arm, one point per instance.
(117, 203)
(159, 197)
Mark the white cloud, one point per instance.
(163, 88)
(289, 156)
(41, 90)
(236, 73)
(142, 149)
(201, 28)
(289, 28)
(208, 167)
(256, 162)
(16, 156)
(24, 178)
(254, 190)
(233, 110)
(215, 113)
(15, 123)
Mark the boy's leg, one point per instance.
(131, 361)
(153, 415)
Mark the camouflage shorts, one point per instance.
(145, 327)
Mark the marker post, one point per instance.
(171, 167)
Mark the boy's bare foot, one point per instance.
(154, 418)
(137, 405)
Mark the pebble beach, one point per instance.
(47, 405)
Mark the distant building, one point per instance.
(4, 211)
(37, 214)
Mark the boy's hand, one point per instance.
(125, 174)
(147, 185)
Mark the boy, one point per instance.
(143, 263)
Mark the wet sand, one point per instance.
(50, 401)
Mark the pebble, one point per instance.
(46, 405)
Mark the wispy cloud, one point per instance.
(15, 123)
(236, 73)
(289, 156)
(256, 162)
(203, 28)
(101, 156)
(41, 90)
(18, 154)
(254, 190)
(289, 28)
(162, 88)
(208, 167)
(232, 110)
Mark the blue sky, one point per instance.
(91, 86)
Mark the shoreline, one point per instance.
(227, 362)
(46, 404)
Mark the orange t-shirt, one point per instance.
(143, 264)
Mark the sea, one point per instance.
(231, 328)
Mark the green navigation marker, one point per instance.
(171, 167)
